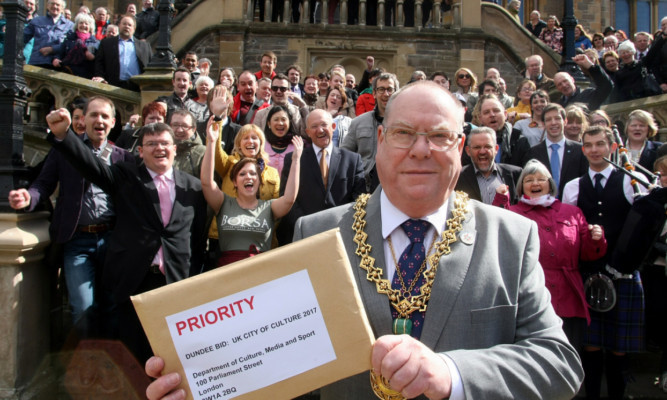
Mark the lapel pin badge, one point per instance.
(467, 238)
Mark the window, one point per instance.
(639, 15)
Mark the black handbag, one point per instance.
(649, 83)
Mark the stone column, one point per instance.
(24, 299)
(23, 237)
(469, 23)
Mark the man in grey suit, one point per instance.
(489, 330)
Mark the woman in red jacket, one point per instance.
(565, 238)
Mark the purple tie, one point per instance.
(409, 264)
(165, 208)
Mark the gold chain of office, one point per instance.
(404, 305)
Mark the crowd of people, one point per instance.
(232, 164)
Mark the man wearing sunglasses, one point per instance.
(281, 95)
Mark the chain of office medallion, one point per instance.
(374, 274)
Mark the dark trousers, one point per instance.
(130, 331)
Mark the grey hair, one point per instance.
(535, 167)
(85, 18)
(204, 79)
(627, 46)
(483, 130)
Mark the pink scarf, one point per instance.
(83, 36)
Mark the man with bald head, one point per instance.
(592, 97)
(330, 176)
(486, 328)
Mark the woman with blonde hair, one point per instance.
(466, 82)
(639, 129)
(576, 122)
(240, 241)
(248, 143)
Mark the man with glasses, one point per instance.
(48, 31)
(282, 95)
(329, 176)
(484, 327)
(159, 235)
(189, 147)
(362, 134)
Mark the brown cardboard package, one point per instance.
(275, 326)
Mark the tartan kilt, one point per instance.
(620, 329)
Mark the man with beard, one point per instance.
(492, 114)
(481, 178)
(245, 104)
(563, 157)
(115, 70)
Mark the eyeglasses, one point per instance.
(279, 88)
(405, 138)
(530, 181)
(527, 90)
(156, 144)
(383, 90)
(600, 122)
(464, 76)
(181, 126)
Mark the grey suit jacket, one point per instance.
(489, 312)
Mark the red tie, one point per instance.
(165, 208)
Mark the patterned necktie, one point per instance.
(598, 183)
(165, 208)
(409, 265)
(555, 163)
(324, 167)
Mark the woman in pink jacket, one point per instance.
(565, 238)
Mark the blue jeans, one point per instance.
(83, 259)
